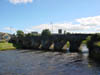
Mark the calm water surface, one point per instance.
(26, 62)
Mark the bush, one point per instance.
(93, 40)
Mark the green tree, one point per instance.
(20, 33)
(31, 34)
(46, 32)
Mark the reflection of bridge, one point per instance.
(58, 41)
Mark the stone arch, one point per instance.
(74, 45)
(59, 44)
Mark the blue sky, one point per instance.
(35, 15)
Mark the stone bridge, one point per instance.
(54, 42)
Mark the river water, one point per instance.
(27, 62)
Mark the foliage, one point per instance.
(93, 40)
(30, 34)
(46, 32)
(68, 33)
(95, 37)
(88, 38)
(97, 43)
(20, 33)
(84, 41)
(68, 44)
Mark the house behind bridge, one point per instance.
(4, 36)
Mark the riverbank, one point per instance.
(6, 46)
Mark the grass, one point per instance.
(84, 42)
(6, 46)
(97, 43)
(68, 44)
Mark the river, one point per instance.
(28, 62)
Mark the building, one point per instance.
(59, 31)
(4, 36)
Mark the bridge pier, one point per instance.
(46, 44)
(35, 43)
(58, 45)
(74, 46)
(27, 43)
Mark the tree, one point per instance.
(31, 34)
(20, 33)
(46, 32)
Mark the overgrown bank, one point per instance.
(6, 46)
(94, 47)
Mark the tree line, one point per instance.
(45, 32)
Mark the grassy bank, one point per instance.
(6, 46)
(97, 43)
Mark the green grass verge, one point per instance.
(84, 42)
(6, 46)
(97, 43)
(68, 44)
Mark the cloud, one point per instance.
(93, 21)
(10, 29)
(54, 27)
(83, 25)
(20, 1)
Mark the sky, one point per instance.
(35, 15)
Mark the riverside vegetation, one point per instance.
(94, 47)
(4, 45)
